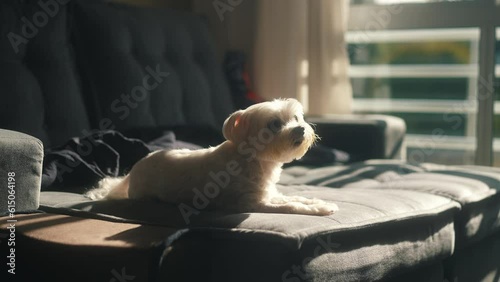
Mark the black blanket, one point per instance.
(83, 161)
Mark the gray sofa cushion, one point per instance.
(373, 227)
(20, 158)
(476, 189)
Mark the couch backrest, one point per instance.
(95, 65)
(40, 90)
(150, 68)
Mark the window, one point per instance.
(428, 63)
(388, 2)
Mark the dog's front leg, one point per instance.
(282, 199)
(297, 208)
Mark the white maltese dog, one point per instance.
(238, 175)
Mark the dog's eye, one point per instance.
(275, 125)
(296, 118)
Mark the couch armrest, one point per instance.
(21, 159)
(363, 136)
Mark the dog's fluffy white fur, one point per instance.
(238, 175)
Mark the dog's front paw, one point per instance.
(308, 201)
(324, 208)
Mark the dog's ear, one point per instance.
(234, 126)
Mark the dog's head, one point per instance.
(271, 131)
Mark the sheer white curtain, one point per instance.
(300, 53)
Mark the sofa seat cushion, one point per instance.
(475, 188)
(97, 250)
(409, 228)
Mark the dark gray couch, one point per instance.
(397, 221)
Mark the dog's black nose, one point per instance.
(298, 131)
(298, 135)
